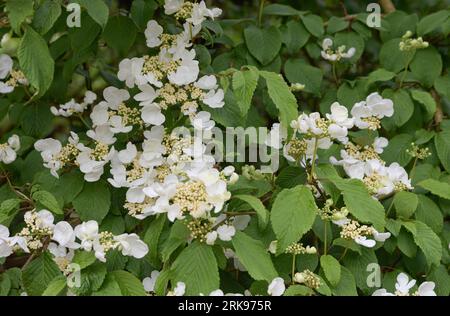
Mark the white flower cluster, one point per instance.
(8, 150)
(328, 53)
(192, 12)
(13, 77)
(41, 231)
(404, 285)
(72, 107)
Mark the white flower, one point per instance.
(276, 136)
(153, 33)
(151, 115)
(50, 148)
(127, 155)
(379, 144)
(276, 287)
(8, 150)
(6, 66)
(87, 233)
(382, 292)
(114, 96)
(185, 74)
(149, 282)
(363, 241)
(132, 245)
(426, 289)
(218, 292)
(172, 6)
(328, 53)
(214, 99)
(147, 96)
(64, 234)
(381, 237)
(200, 12)
(226, 232)
(207, 83)
(373, 107)
(339, 115)
(202, 121)
(130, 71)
(403, 284)
(5, 248)
(179, 290)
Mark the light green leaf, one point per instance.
(48, 201)
(380, 75)
(8, 209)
(56, 286)
(18, 11)
(244, 85)
(292, 215)
(405, 204)
(110, 287)
(39, 273)
(331, 268)
(282, 96)
(359, 202)
(35, 61)
(346, 285)
(258, 206)
(254, 257)
(129, 285)
(196, 266)
(427, 240)
(431, 22)
(436, 187)
(280, 9)
(84, 258)
(429, 213)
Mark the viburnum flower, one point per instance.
(71, 107)
(276, 287)
(7, 72)
(367, 114)
(8, 150)
(149, 282)
(335, 55)
(179, 290)
(404, 285)
(7, 243)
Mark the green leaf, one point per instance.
(93, 202)
(8, 209)
(425, 99)
(92, 278)
(357, 264)
(429, 213)
(120, 33)
(380, 75)
(48, 201)
(441, 277)
(84, 258)
(297, 71)
(196, 266)
(39, 273)
(359, 202)
(405, 204)
(336, 24)
(129, 285)
(35, 61)
(46, 16)
(293, 214)
(436, 187)
(350, 39)
(298, 290)
(296, 36)
(280, 9)
(56, 286)
(346, 285)
(442, 142)
(391, 57)
(263, 44)
(427, 240)
(427, 72)
(258, 206)
(18, 11)
(141, 12)
(282, 96)
(179, 234)
(431, 22)
(314, 24)
(290, 177)
(254, 257)
(442, 85)
(403, 106)
(110, 287)
(331, 268)
(97, 9)
(153, 234)
(244, 85)
(405, 243)
(396, 150)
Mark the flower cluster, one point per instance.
(72, 107)
(192, 12)
(41, 232)
(410, 44)
(333, 55)
(13, 77)
(8, 150)
(404, 285)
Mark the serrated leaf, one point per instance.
(436, 187)
(254, 257)
(196, 266)
(258, 206)
(263, 44)
(35, 61)
(56, 286)
(405, 204)
(359, 202)
(331, 268)
(442, 142)
(97, 9)
(293, 214)
(18, 11)
(39, 273)
(46, 15)
(244, 85)
(129, 285)
(48, 201)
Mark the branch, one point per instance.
(387, 6)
